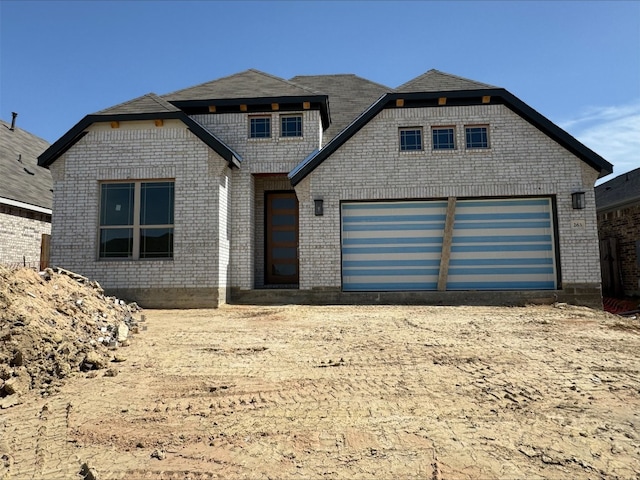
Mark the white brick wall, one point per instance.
(522, 161)
(219, 212)
(273, 155)
(20, 236)
(141, 151)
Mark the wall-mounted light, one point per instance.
(318, 207)
(577, 200)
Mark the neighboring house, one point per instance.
(618, 206)
(328, 189)
(25, 196)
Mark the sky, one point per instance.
(575, 62)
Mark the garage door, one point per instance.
(502, 245)
(389, 246)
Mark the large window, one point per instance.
(443, 138)
(477, 137)
(291, 126)
(260, 127)
(410, 139)
(136, 220)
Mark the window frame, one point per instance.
(252, 131)
(487, 144)
(283, 118)
(135, 226)
(402, 130)
(438, 148)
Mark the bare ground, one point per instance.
(346, 392)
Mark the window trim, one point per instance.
(136, 226)
(444, 127)
(466, 141)
(292, 115)
(411, 129)
(255, 117)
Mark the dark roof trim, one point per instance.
(454, 98)
(70, 138)
(321, 100)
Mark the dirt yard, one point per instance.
(378, 392)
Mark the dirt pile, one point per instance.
(55, 323)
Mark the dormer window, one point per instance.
(260, 127)
(291, 126)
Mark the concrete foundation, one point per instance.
(576, 294)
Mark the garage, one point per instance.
(505, 244)
(494, 244)
(392, 246)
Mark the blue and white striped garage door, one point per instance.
(502, 245)
(389, 246)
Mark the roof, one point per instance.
(458, 91)
(355, 101)
(622, 190)
(248, 84)
(146, 107)
(21, 179)
(349, 95)
(253, 89)
(437, 81)
(149, 103)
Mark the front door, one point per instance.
(281, 245)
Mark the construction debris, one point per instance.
(54, 324)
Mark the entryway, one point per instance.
(281, 239)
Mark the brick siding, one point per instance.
(21, 235)
(623, 224)
(522, 161)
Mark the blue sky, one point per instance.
(577, 63)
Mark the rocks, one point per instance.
(93, 361)
(53, 324)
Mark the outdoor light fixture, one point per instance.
(577, 200)
(318, 207)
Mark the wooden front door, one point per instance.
(281, 245)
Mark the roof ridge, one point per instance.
(283, 80)
(355, 75)
(121, 104)
(458, 77)
(205, 83)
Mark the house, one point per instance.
(618, 210)
(327, 189)
(25, 196)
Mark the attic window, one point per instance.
(443, 138)
(291, 126)
(477, 137)
(260, 127)
(410, 139)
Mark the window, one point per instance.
(136, 220)
(260, 127)
(291, 126)
(410, 139)
(443, 138)
(477, 137)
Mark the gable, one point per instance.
(147, 107)
(444, 99)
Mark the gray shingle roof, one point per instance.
(437, 81)
(149, 103)
(247, 84)
(23, 180)
(619, 191)
(349, 95)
